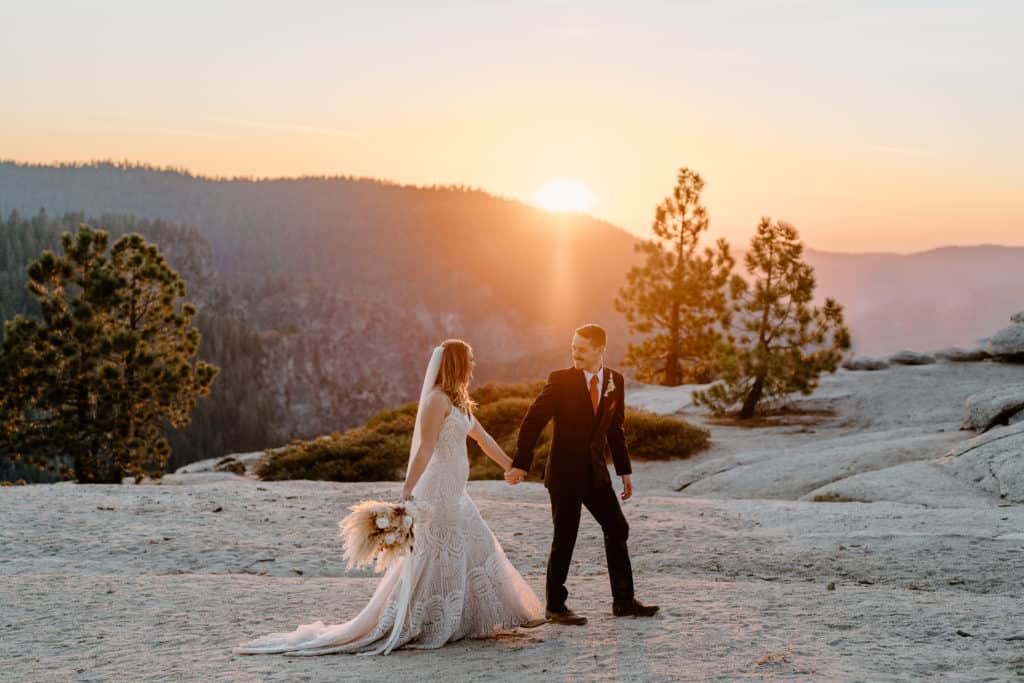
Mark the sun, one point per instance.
(564, 194)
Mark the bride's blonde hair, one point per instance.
(455, 373)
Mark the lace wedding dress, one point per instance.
(457, 582)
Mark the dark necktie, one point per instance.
(593, 392)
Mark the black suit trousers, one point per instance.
(602, 502)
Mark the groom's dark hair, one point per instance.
(594, 333)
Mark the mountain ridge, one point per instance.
(346, 283)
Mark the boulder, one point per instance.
(955, 354)
(1008, 343)
(911, 358)
(248, 460)
(661, 400)
(865, 363)
(992, 462)
(229, 464)
(795, 472)
(914, 483)
(992, 407)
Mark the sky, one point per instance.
(871, 126)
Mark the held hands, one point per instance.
(514, 476)
(627, 486)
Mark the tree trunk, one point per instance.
(92, 468)
(113, 474)
(672, 378)
(81, 473)
(753, 396)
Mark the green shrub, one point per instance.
(359, 454)
(380, 450)
(495, 391)
(397, 421)
(501, 419)
(658, 437)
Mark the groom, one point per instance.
(587, 405)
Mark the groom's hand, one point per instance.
(515, 476)
(627, 486)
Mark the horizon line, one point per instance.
(181, 170)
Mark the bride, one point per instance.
(457, 582)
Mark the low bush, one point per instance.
(379, 450)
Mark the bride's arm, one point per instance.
(433, 415)
(489, 446)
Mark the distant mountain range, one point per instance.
(923, 301)
(338, 286)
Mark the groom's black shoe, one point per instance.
(566, 617)
(632, 608)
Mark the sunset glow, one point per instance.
(799, 111)
(564, 194)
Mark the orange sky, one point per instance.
(886, 127)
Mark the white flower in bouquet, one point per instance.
(377, 533)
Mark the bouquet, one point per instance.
(378, 532)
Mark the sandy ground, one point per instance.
(157, 583)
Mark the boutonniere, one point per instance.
(611, 385)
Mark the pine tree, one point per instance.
(676, 299)
(784, 343)
(109, 366)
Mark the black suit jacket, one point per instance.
(581, 438)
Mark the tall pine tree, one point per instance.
(109, 367)
(676, 299)
(784, 343)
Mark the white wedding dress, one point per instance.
(456, 583)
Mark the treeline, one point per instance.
(237, 415)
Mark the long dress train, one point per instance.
(457, 583)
